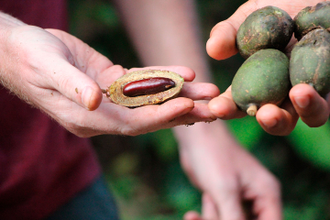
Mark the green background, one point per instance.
(144, 172)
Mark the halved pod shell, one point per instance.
(145, 87)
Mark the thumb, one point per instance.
(77, 86)
(222, 42)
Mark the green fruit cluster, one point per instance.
(310, 57)
(267, 73)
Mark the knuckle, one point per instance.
(130, 131)
(76, 127)
(228, 185)
(271, 184)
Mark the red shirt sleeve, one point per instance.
(42, 164)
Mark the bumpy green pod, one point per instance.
(268, 27)
(312, 17)
(263, 78)
(310, 61)
(147, 87)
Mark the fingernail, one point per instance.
(216, 113)
(87, 94)
(302, 102)
(269, 123)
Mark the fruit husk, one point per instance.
(268, 27)
(310, 61)
(115, 91)
(263, 78)
(312, 17)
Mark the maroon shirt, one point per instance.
(42, 165)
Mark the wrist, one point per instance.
(8, 24)
(205, 135)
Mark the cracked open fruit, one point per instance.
(145, 87)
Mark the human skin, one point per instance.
(225, 173)
(304, 101)
(61, 75)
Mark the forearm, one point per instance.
(7, 63)
(166, 33)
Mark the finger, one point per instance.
(269, 208)
(106, 77)
(57, 71)
(276, 120)
(200, 113)
(209, 209)
(224, 106)
(200, 91)
(154, 117)
(74, 84)
(229, 200)
(115, 119)
(267, 204)
(187, 73)
(311, 107)
(192, 215)
(222, 42)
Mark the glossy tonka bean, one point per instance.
(310, 61)
(145, 87)
(312, 17)
(267, 27)
(148, 86)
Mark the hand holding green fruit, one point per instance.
(305, 101)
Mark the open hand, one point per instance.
(63, 76)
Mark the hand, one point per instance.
(304, 101)
(63, 76)
(227, 175)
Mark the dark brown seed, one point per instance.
(148, 86)
(169, 89)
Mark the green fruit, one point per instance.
(310, 61)
(263, 78)
(312, 17)
(268, 27)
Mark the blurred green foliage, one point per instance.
(144, 172)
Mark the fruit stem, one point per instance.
(252, 110)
